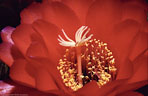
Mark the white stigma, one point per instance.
(79, 37)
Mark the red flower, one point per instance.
(35, 53)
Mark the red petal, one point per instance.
(139, 45)
(140, 69)
(120, 43)
(5, 53)
(62, 16)
(22, 37)
(124, 34)
(80, 7)
(6, 34)
(49, 33)
(135, 11)
(113, 93)
(102, 16)
(8, 87)
(44, 80)
(85, 91)
(125, 69)
(37, 48)
(16, 54)
(130, 93)
(107, 89)
(31, 13)
(35, 74)
(145, 28)
(5, 47)
(130, 87)
(43, 68)
(18, 73)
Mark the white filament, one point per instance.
(79, 37)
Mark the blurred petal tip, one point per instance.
(6, 34)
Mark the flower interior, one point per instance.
(97, 63)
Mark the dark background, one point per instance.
(10, 16)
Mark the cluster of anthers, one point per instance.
(94, 62)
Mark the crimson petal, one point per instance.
(130, 87)
(96, 91)
(140, 44)
(22, 37)
(39, 65)
(80, 7)
(62, 16)
(5, 53)
(130, 93)
(31, 13)
(5, 47)
(140, 69)
(37, 48)
(49, 33)
(135, 11)
(19, 74)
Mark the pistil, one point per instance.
(79, 65)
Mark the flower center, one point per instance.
(96, 63)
